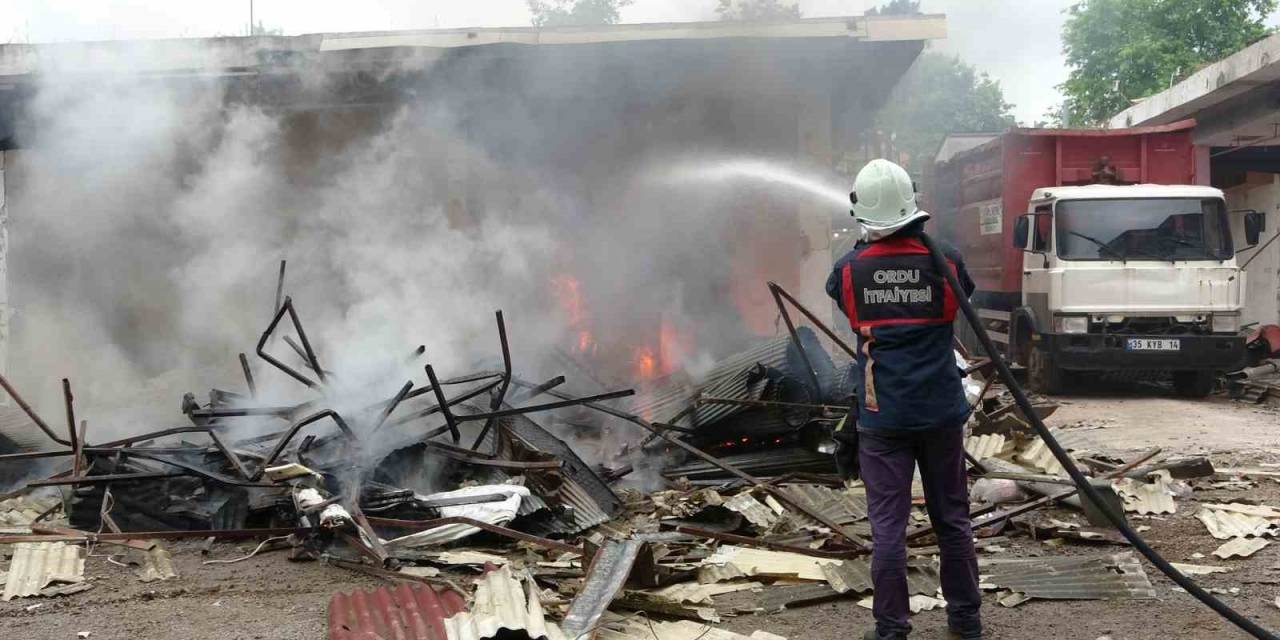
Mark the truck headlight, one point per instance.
(1073, 324)
(1223, 323)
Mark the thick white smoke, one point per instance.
(149, 217)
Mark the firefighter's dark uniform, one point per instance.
(912, 410)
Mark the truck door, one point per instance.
(1035, 267)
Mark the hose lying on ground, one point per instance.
(1086, 489)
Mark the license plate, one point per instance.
(1153, 344)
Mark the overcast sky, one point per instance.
(1015, 41)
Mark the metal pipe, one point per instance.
(248, 376)
(776, 288)
(496, 401)
(392, 405)
(530, 394)
(71, 420)
(272, 360)
(795, 340)
(306, 344)
(293, 430)
(545, 407)
(423, 525)
(444, 406)
(279, 288)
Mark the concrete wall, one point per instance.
(1261, 191)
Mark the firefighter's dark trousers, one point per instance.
(888, 461)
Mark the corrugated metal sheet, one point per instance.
(1038, 456)
(404, 611)
(1147, 498)
(759, 463)
(1111, 577)
(843, 506)
(1261, 511)
(1241, 548)
(753, 510)
(1225, 525)
(728, 379)
(605, 579)
(502, 604)
(36, 565)
(855, 575)
(20, 429)
(991, 445)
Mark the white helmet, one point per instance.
(884, 199)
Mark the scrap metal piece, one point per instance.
(605, 579)
(632, 628)
(496, 513)
(501, 607)
(37, 565)
(1225, 525)
(753, 510)
(21, 511)
(1198, 569)
(1240, 548)
(916, 603)
(407, 611)
(760, 562)
(1110, 577)
(1147, 498)
(155, 564)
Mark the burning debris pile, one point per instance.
(487, 521)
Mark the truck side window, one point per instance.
(1042, 233)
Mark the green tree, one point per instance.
(755, 10)
(562, 13)
(896, 8)
(1123, 50)
(939, 95)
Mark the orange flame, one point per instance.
(568, 291)
(646, 365)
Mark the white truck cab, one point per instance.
(1136, 277)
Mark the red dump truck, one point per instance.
(1099, 250)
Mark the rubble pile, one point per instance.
(520, 535)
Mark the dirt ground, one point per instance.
(269, 597)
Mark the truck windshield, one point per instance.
(1143, 229)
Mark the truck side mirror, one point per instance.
(1255, 222)
(1021, 228)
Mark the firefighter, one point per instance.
(910, 406)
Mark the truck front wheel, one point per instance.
(1042, 374)
(1193, 384)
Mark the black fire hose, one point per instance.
(1086, 489)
